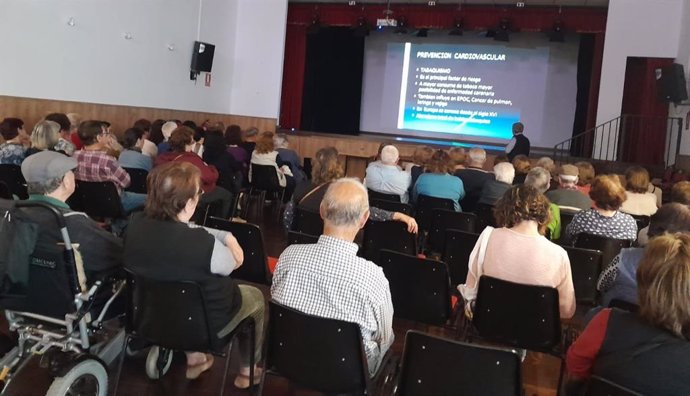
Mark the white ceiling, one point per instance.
(578, 3)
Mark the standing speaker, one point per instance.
(671, 86)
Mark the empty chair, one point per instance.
(437, 366)
(420, 288)
(390, 235)
(137, 179)
(255, 267)
(392, 206)
(382, 196)
(586, 267)
(609, 247)
(321, 354)
(444, 220)
(598, 386)
(12, 176)
(308, 222)
(99, 200)
(456, 254)
(295, 238)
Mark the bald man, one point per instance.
(328, 279)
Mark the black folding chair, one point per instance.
(566, 218)
(320, 354)
(598, 386)
(420, 288)
(426, 205)
(296, 238)
(390, 235)
(99, 200)
(137, 179)
(265, 182)
(437, 366)
(12, 176)
(444, 220)
(586, 266)
(255, 267)
(392, 206)
(308, 222)
(456, 254)
(609, 247)
(642, 221)
(5, 192)
(184, 328)
(382, 196)
(485, 217)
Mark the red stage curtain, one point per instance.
(293, 76)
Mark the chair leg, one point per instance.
(227, 366)
(123, 354)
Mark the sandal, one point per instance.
(242, 381)
(194, 371)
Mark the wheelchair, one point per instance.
(75, 343)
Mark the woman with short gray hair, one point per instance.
(45, 136)
(540, 179)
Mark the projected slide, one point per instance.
(468, 90)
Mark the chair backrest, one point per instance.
(308, 222)
(444, 220)
(566, 218)
(524, 316)
(426, 205)
(99, 200)
(12, 176)
(609, 247)
(642, 221)
(138, 180)
(598, 386)
(295, 238)
(586, 266)
(420, 288)
(264, 177)
(150, 317)
(392, 206)
(382, 196)
(255, 267)
(321, 354)
(456, 254)
(437, 366)
(485, 217)
(5, 192)
(390, 235)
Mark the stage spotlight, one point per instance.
(402, 26)
(502, 32)
(557, 34)
(423, 32)
(361, 28)
(457, 28)
(314, 26)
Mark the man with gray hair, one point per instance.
(540, 179)
(494, 189)
(473, 178)
(386, 177)
(567, 196)
(519, 144)
(328, 279)
(50, 180)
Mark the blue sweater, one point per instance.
(440, 186)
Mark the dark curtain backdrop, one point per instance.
(333, 81)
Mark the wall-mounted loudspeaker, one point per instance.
(202, 58)
(671, 85)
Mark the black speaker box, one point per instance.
(202, 57)
(671, 86)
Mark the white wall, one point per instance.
(92, 62)
(684, 59)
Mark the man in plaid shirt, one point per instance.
(328, 279)
(94, 165)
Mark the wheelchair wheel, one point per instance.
(157, 363)
(85, 378)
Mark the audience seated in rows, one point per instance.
(438, 183)
(94, 165)
(132, 155)
(13, 151)
(617, 281)
(647, 352)
(249, 141)
(265, 154)
(167, 130)
(325, 170)
(386, 177)
(494, 189)
(199, 137)
(181, 143)
(161, 244)
(45, 136)
(519, 252)
(540, 179)
(50, 179)
(638, 201)
(473, 178)
(567, 196)
(64, 143)
(585, 176)
(149, 148)
(290, 156)
(522, 166)
(605, 219)
(328, 279)
(230, 172)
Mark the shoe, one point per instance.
(242, 381)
